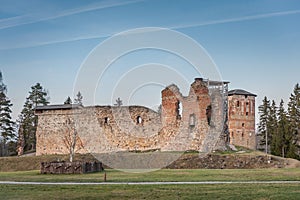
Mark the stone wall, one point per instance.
(70, 167)
(194, 127)
(100, 129)
(193, 122)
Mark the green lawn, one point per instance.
(229, 191)
(161, 175)
(219, 191)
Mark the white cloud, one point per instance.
(239, 19)
(37, 17)
(213, 22)
(37, 44)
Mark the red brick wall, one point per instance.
(241, 120)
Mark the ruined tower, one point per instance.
(241, 118)
(201, 122)
(198, 121)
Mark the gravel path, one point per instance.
(150, 183)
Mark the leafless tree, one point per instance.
(119, 102)
(71, 139)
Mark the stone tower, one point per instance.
(241, 118)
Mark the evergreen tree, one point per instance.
(294, 122)
(264, 110)
(68, 101)
(6, 123)
(28, 120)
(78, 99)
(272, 130)
(279, 139)
(282, 127)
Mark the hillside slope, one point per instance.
(237, 160)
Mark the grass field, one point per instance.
(161, 175)
(219, 191)
(13, 170)
(173, 192)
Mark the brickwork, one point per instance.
(191, 125)
(242, 120)
(104, 129)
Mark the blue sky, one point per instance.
(255, 44)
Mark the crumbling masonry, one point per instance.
(198, 122)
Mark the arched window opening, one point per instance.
(192, 120)
(179, 110)
(139, 120)
(243, 124)
(238, 104)
(208, 114)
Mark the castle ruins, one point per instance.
(209, 118)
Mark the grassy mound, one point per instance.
(243, 159)
(26, 163)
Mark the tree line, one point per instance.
(18, 137)
(279, 128)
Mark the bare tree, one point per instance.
(78, 98)
(119, 102)
(71, 139)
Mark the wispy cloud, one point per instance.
(52, 42)
(213, 22)
(38, 17)
(239, 19)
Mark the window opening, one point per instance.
(179, 110)
(208, 114)
(106, 120)
(139, 120)
(192, 120)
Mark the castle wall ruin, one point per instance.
(201, 125)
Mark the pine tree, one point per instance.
(264, 110)
(272, 130)
(294, 122)
(283, 130)
(6, 123)
(28, 120)
(282, 127)
(78, 99)
(68, 101)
